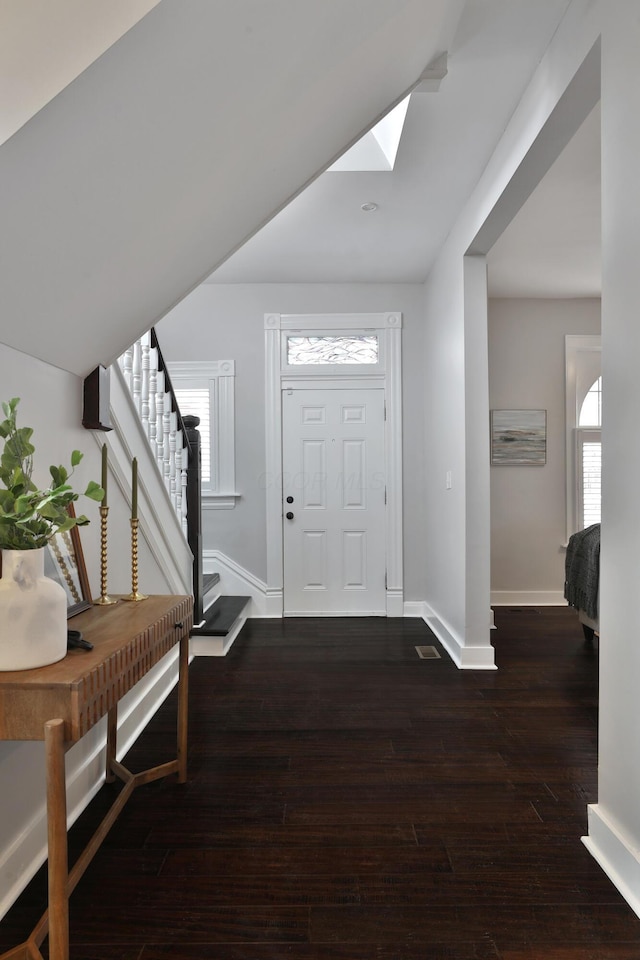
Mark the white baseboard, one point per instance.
(26, 850)
(528, 598)
(414, 608)
(274, 602)
(235, 580)
(465, 657)
(395, 604)
(618, 858)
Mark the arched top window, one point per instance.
(591, 409)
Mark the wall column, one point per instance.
(614, 821)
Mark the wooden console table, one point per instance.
(61, 702)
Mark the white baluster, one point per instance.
(136, 375)
(153, 390)
(173, 429)
(183, 483)
(166, 433)
(127, 365)
(145, 347)
(160, 419)
(147, 384)
(179, 450)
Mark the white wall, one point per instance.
(226, 321)
(527, 371)
(563, 91)
(614, 822)
(456, 389)
(51, 403)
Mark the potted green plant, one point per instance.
(33, 608)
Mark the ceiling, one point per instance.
(45, 45)
(551, 249)
(87, 85)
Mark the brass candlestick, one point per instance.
(134, 595)
(104, 596)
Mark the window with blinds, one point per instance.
(206, 389)
(588, 456)
(196, 401)
(591, 483)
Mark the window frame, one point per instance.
(219, 377)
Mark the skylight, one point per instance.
(378, 148)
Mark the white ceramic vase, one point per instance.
(33, 612)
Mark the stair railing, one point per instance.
(174, 442)
(148, 380)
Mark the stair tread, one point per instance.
(221, 616)
(209, 580)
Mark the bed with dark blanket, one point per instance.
(582, 577)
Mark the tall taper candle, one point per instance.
(104, 474)
(134, 489)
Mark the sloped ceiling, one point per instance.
(448, 137)
(178, 143)
(553, 246)
(44, 45)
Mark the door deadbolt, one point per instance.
(289, 499)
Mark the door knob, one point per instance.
(289, 515)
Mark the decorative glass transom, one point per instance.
(305, 350)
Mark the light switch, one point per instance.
(448, 479)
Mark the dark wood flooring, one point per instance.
(350, 801)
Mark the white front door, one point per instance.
(334, 502)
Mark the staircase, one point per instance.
(174, 444)
(223, 620)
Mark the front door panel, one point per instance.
(333, 468)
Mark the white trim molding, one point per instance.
(528, 598)
(388, 373)
(219, 501)
(615, 853)
(236, 580)
(465, 657)
(415, 609)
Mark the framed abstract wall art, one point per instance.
(518, 437)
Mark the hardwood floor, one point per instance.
(350, 801)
